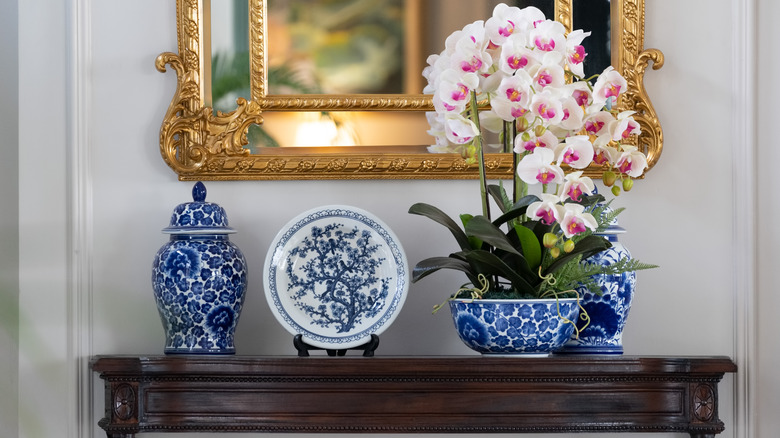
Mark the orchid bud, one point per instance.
(555, 252)
(549, 240)
(522, 124)
(525, 137)
(609, 178)
(628, 183)
(539, 130)
(568, 246)
(616, 190)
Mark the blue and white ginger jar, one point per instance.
(608, 313)
(199, 279)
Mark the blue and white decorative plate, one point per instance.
(336, 275)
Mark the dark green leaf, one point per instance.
(481, 228)
(517, 210)
(586, 247)
(433, 264)
(473, 241)
(490, 264)
(439, 216)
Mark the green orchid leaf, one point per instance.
(481, 228)
(586, 247)
(532, 250)
(439, 216)
(433, 264)
(474, 242)
(517, 210)
(499, 195)
(489, 264)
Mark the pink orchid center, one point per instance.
(613, 90)
(545, 45)
(578, 56)
(519, 112)
(581, 97)
(546, 216)
(460, 93)
(533, 144)
(473, 66)
(545, 112)
(544, 79)
(593, 127)
(513, 95)
(625, 166)
(545, 176)
(507, 30)
(575, 191)
(600, 157)
(570, 156)
(517, 62)
(576, 226)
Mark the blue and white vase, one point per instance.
(608, 313)
(199, 279)
(515, 327)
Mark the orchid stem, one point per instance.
(481, 156)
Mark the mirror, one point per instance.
(351, 136)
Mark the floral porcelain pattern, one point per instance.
(514, 327)
(608, 312)
(199, 279)
(200, 287)
(335, 275)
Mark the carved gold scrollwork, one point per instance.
(199, 144)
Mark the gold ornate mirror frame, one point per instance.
(200, 145)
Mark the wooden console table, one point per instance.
(411, 394)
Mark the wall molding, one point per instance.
(744, 141)
(80, 218)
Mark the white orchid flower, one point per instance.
(513, 96)
(548, 210)
(470, 55)
(575, 186)
(549, 36)
(632, 162)
(454, 91)
(538, 167)
(548, 107)
(576, 221)
(510, 20)
(598, 124)
(603, 153)
(516, 56)
(576, 151)
(458, 129)
(529, 141)
(550, 73)
(573, 115)
(624, 126)
(575, 53)
(608, 87)
(490, 121)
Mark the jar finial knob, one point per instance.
(199, 192)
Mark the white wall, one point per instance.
(95, 193)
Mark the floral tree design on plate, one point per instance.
(337, 285)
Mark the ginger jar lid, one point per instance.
(198, 216)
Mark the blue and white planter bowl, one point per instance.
(608, 313)
(199, 279)
(515, 327)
